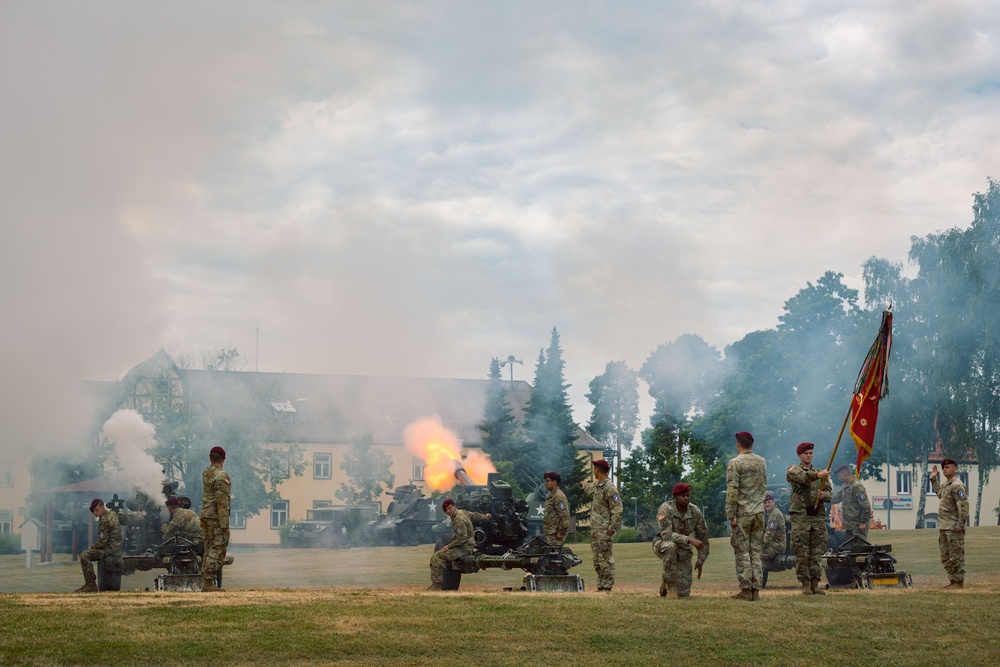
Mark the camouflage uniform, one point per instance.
(605, 515)
(809, 539)
(108, 547)
(186, 524)
(556, 520)
(214, 519)
(673, 544)
(774, 540)
(746, 486)
(463, 543)
(855, 508)
(953, 511)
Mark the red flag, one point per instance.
(872, 386)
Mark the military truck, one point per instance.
(335, 527)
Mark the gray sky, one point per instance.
(414, 188)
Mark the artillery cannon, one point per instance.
(180, 557)
(547, 566)
(864, 565)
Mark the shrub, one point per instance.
(10, 543)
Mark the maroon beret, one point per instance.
(448, 502)
(948, 462)
(554, 476)
(768, 496)
(173, 502)
(94, 503)
(602, 464)
(681, 488)
(744, 435)
(842, 467)
(218, 450)
(804, 447)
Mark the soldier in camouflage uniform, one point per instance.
(953, 511)
(809, 539)
(108, 546)
(772, 558)
(746, 485)
(463, 542)
(555, 524)
(605, 520)
(855, 507)
(214, 518)
(183, 522)
(682, 526)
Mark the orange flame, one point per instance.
(440, 450)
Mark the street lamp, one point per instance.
(635, 512)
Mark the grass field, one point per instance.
(368, 607)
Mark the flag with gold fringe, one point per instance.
(872, 386)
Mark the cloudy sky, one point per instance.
(414, 188)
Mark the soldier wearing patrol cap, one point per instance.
(809, 539)
(183, 522)
(555, 523)
(108, 546)
(216, 497)
(953, 512)
(682, 531)
(605, 520)
(775, 538)
(855, 507)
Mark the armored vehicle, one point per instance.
(408, 521)
(332, 527)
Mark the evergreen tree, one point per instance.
(502, 439)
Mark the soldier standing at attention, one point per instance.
(809, 539)
(855, 507)
(953, 511)
(108, 545)
(775, 538)
(605, 520)
(682, 526)
(462, 543)
(555, 524)
(214, 518)
(746, 485)
(183, 522)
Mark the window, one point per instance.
(963, 477)
(902, 482)
(237, 520)
(6, 474)
(927, 483)
(280, 468)
(418, 469)
(6, 522)
(317, 504)
(279, 514)
(322, 466)
(930, 521)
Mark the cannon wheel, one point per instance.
(841, 576)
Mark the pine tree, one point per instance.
(501, 437)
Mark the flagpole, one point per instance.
(835, 448)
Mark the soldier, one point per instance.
(214, 518)
(605, 520)
(108, 545)
(746, 485)
(808, 521)
(555, 524)
(462, 543)
(682, 526)
(953, 511)
(183, 522)
(772, 558)
(855, 507)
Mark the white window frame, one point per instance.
(418, 469)
(279, 515)
(904, 489)
(6, 522)
(237, 520)
(318, 472)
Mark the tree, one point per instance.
(684, 374)
(502, 438)
(615, 397)
(369, 473)
(549, 425)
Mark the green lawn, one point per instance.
(367, 606)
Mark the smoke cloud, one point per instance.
(130, 436)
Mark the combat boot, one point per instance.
(208, 585)
(756, 595)
(89, 587)
(814, 587)
(806, 588)
(663, 589)
(745, 594)
(434, 587)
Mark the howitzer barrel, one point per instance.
(462, 476)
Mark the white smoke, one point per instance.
(131, 438)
